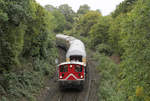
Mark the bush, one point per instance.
(109, 89)
(27, 48)
(104, 48)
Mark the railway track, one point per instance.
(89, 93)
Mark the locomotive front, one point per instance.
(71, 74)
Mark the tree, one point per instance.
(83, 9)
(67, 12)
(21, 24)
(86, 22)
(13, 16)
(124, 7)
(129, 31)
(135, 41)
(115, 34)
(50, 8)
(100, 31)
(60, 21)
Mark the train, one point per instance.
(72, 72)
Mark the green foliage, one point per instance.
(4, 98)
(20, 84)
(3, 16)
(114, 34)
(104, 48)
(11, 46)
(64, 17)
(109, 71)
(11, 39)
(129, 37)
(37, 36)
(82, 26)
(50, 8)
(27, 48)
(99, 32)
(83, 9)
(67, 11)
(124, 7)
(69, 15)
(60, 21)
(135, 42)
(86, 22)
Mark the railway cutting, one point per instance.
(88, 92)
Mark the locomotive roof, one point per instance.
(72, 62)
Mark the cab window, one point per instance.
(78, 68)
(64, 68)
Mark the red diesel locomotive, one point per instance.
(72, 73)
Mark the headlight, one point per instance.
(81, 76)
(60, 77)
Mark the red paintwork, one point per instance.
(71, 78)
(71, 70)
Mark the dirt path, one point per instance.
(89, 93)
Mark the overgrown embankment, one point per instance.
(27, 49)
(110, 81)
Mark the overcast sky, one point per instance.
(105, 6)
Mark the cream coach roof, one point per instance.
(76, 47)
(65, 37)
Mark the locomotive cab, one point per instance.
(71, 74)
(76, 58)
